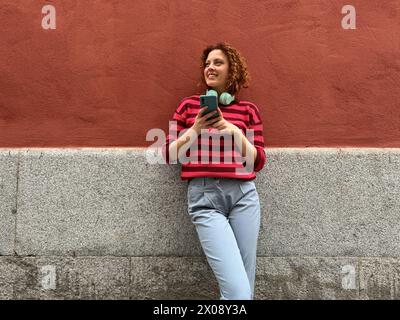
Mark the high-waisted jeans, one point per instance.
(226, 214)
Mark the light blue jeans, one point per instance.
(226, 214)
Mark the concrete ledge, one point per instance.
(8, 191)
(331, 202)
(325, 202)
(64, 278)
(168, 278)
(191, 278)
(100, 202)
(124, 221)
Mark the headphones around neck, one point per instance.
(225, 98)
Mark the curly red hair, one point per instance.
(238, 76)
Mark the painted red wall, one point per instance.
(112, 70)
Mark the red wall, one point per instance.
(112, 70)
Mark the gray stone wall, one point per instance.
(106, 224)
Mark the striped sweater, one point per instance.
(215, 154)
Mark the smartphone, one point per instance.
(211, 102)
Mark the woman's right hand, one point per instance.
(204, 122)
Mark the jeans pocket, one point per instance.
(194, 193)
(247, 186)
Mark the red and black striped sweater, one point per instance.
(215, 154)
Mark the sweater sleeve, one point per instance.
(176, 125)
(255, 124)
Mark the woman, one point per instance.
(223, 201)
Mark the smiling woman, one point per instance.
(223, 202)
(216, 70)
(227, 64)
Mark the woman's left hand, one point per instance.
(224, 126)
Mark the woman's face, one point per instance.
(216, 70)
